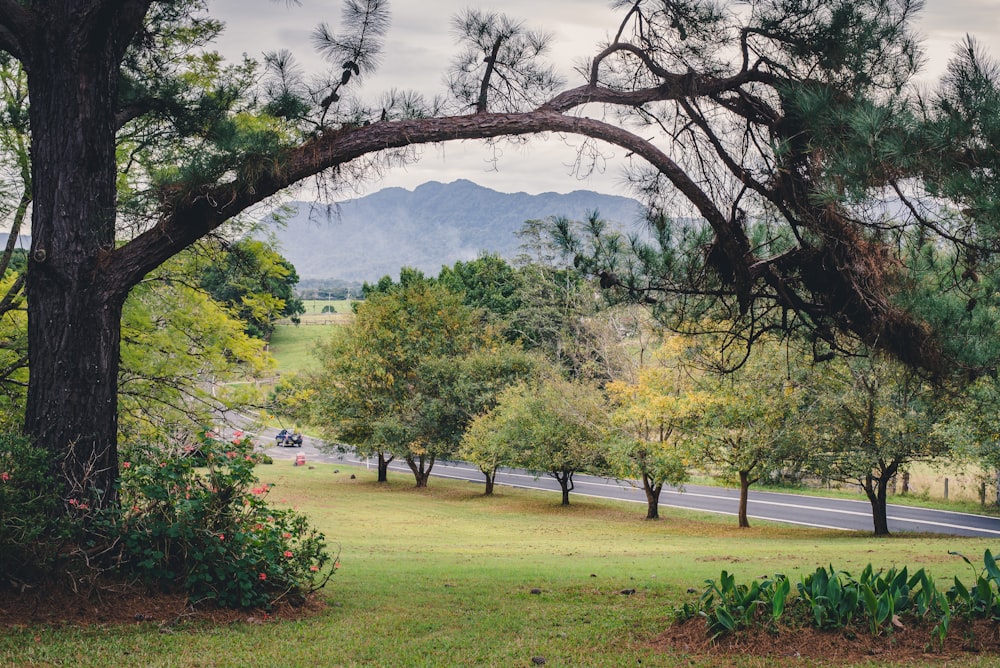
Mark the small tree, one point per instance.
(453, 391)
(873, 416)
(388, 383)
(653, 419)
(750, 427)
(554, 425)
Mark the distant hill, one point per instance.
(24, 241)
(434, 225)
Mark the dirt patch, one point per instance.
(56, 605)
(903, 647)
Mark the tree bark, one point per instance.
(383, 467)
(745, 483)
(421, 467)
(652, 497)
(73, 314)
(565, 480)
(876, 489)
(490, 479)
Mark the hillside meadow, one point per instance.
(445, 577)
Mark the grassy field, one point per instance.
(443, 577)
(293, 345)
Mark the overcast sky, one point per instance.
(420, 46)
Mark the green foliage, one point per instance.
(210, 533)
(729, 607)
(982, 599)
(487, 283)
(32, 531)
(829, 599)
(409, 373)
(174, 336)
(547, 424)
(873, 415)
(256, 282)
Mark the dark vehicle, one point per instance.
(288, 439)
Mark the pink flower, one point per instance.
(126, 465)
(222, 536)
(162, 464)
(286, 535)
(288, 554)
(314, 568)
(5, 476)
(262, 576)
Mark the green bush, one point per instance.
(209, 532)
(33, 530)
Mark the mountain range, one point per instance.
(435, 224)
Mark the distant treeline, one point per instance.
(328, 288)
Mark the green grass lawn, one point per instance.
(443, 577)
(292, 346)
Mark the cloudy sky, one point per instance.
(420, 45)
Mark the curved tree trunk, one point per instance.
(652, 497)
(565, 480)
(421, 467)
(490, 479)
(876, 489)
(745, 483)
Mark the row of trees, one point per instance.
(428, 373)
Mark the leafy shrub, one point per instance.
(982, 599)
(33, 531)
(829, 599)
(209, 531)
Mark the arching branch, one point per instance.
(16, 27)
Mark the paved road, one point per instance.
(820, 512)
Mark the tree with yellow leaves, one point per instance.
(653, 418)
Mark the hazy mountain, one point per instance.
(436, 224)
(23, 241)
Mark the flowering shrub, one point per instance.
(203, 524)
(32, 529)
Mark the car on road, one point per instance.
(288, 439)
